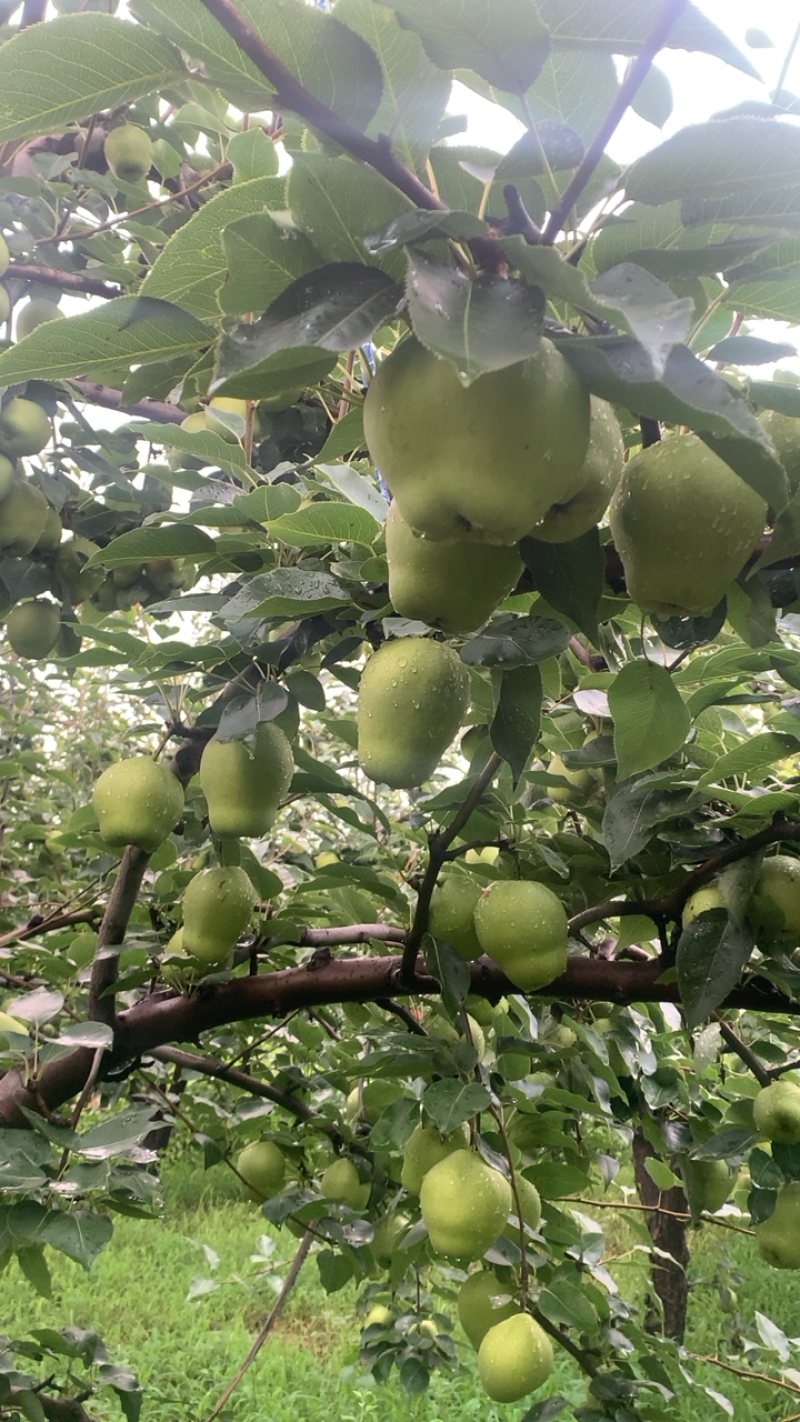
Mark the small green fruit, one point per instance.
(476, 1310)
(453, 904)
(531, 1206)
(35, 313)
(412, 697)
(8, 474)
(601, 472)
(776, 1112)
(379, 1313)
(384, 1240)
(263, 1166)
(580, 783)
(523, 926)
(778, 1238)
(446, 583)
(81, 582)
(244, 789)
(32, 628)
(515, 1357)
(708, 1183)
(709, 897)
(784, 431)
(779, 881)
(425, 1147)
(137, 801)
(24, 428)
(23, 515)
(465, 1204)
(129, 152)
(5, 305)
(5, 256)
(341, 1181)
(217, 908)
(50, 536)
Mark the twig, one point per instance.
(160, 412)
(627, 89)
(65, 281)
(745, 1053)
(652, 1210)
(288, 1285)
(740, 1372)
(111, 933)
(582, 1357)
(389, 1005)
(49, 925)
(520, 219)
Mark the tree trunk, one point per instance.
(666, 1312)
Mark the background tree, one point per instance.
(513, 914)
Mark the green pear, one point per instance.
(707, 1183)
(379, 1313)
(424, 1148)
(438, 1025)
(477, 1311)
(32, 628)
(779, 883)
(5, 304)
(580, 783)
(129, 152)
(81, 582)
(24, 428)
(515, 1357)
(776, 1112)
(601, 472)
(23, 515)
(341, 1181)
(778, 1238)
(5, 256)
(709, 897)
(50, 536)
(465, 1204)
(217, 908)
(684, 525)
(370, 1101)
(531, 1206)
(35, 313)
(784, 431)
(455, 897)
(164, 575)
(386, 1235)
(263, 1166)
(488, 458)
(411, 700)
(447, 583)
(137, 801)
(8, 474)
(244, 788)
(523, 926)
(12, 1024)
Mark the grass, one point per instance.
(185, 1353)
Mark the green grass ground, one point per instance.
(185, 1353)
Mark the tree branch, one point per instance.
(111, 933)
(65, 281)
(743, 1052)
(159, 411)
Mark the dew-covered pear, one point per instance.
(8, 474)
(341, 1181)
(448, 583)
(455, 897)
(531, 1206)
(601, 472)
(477, 1312)
(776, 1112)
(424, 1148)
(465, 1204)
(263, 1165)
(412, 697)
(708, 897)
(387, 1233)
(778, 1238)
(129, 152)
(708, 1183)
(243, 787)
(684, 524)
(23, 515)
(32, 628)
(36, 312)
(515, 1357)
(488, 458)
(523, 925)
(217, 908)
(778, 883)
(137, 801)
(24, 428)
(784, 431)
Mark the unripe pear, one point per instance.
(5, 256)
(164, 575)
(778, 1238)
(81, 582)
(137, 801)
(515, 1357)
(217, 908)
(531, 1206)
(8, 474)
(476, 1311)
(425, 1147)
(379, 1313)
(684, 524)
(32, 628)
(244, 788)
(412, 697)
(24, 428)
(784, 431)
(50, 536)
(341, 1181)
(453, 904)
(581, 783)
(23, 515)
(776, 1112)
(488, 458)
(709, 897)
(129, 152)
(263, 1165)
(523, 926)
(778, 882)
(35, 313)
(384, 1240)
(447, 583)
(12, 1024)
(601, 472)
(465, 1204)
(708, 1183)
(5, 304)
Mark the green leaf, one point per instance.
(175, 541)
(338, 202)
(622, 26)
(346, 437)
(253, 155)
(749, 350)
(515, 725)
(757, 753)
(284, 371)
(660, 1173)
(117, 1134)
(450, 971)
(325, 523)
(741, 157)
(286, 592)
(481, 323)
(653, 99)
(506, 46)
(563, 1302)
(546, 147)
(570, 576)
(193, 264)
(451, 1101)
(206, 444)
(712, 952)
(657, 317)
(34, 1266)
(80, 1234)
(633, 813)
(335, 1270)
(262, 257)
(125, 331)
(334, 308)
(512, 641)
(546, 1410)
(76, 65)
(574, 88)
(651, 720)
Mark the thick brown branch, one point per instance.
(112, 931)
(65, 281)
(209, 1066)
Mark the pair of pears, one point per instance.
(520, 923)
